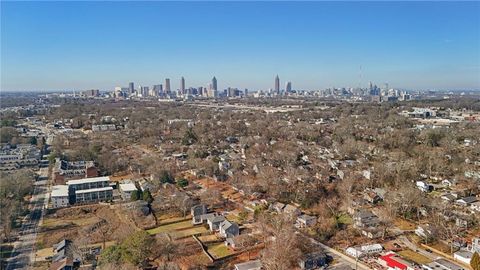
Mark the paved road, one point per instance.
(23, 253)
(342, 257)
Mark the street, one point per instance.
(23, 254)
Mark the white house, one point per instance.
(360, 251)
(305, 221)
(126, 190)
(59, 196)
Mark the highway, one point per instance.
(23, 254)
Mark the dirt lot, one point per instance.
(414, 256)
(91, 221)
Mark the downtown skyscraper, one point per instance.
(182, 85)
(288, 87)
(277, 84)
(167, 86)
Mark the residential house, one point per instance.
(372, 233)
(305, 221)
(251, 265)
(466, 201)
(197, 212)
(313, 260)
(278, 207)
(126, 190)
(360, 251)
(63, 256)
(475, 206)
(365, 219)
(228, 229)
(424, 231)
(423, 186)
(214, 220)
(291, 210)
(371, 197)
(64, 264)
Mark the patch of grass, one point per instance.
(172, 219)
(219, 250)
(207, 238)
(171, 227)
(414, 256)
(344, 218)
(189, 232)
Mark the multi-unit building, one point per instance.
(23, 155)
(59, 196)
(82, 191)
(70, 170)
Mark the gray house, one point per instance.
(313, 260)
(197, 212)
(229, 229)
(214, 220)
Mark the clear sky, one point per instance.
(84, 45)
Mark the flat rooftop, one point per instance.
(88, 180)
(128, 187)
(59, 191)
(93, 190)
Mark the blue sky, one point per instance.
(83, 45)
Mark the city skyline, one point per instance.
(410, 45)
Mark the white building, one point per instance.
(361, 251)
(126, 190)
(59, 196)
(463, 256)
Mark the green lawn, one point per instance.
(171, 227)
(219, 250)
(189, 232)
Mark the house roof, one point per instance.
(215, 218)
(305, 217)
(61, 264)
(290, 208)
(468, 200)
(227, 224)
(251, 265)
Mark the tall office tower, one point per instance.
(277, 84)
(167, 86)
(131, 88)
(157, 89)
(214, 84)
(200, 91)
(182, 85)
(288, 87)
(370, 86)
(246, 92)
